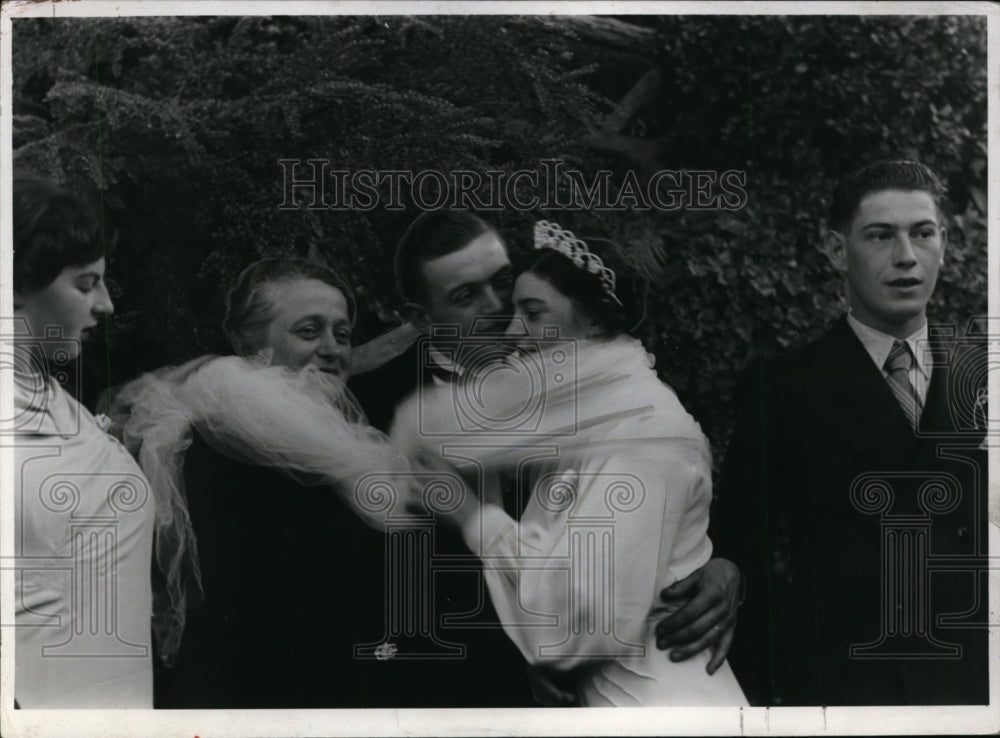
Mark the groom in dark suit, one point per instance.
(452, 270)
(455, 277)
(854, 489)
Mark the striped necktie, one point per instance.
(898, 366)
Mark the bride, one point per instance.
(619, 477)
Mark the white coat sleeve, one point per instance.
(578, 583)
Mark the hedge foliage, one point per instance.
(177, 124)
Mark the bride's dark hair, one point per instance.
(248, 309)
(585, 287)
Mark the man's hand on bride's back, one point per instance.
(707, 617)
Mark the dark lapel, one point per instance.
(937, 418)
(841, 386)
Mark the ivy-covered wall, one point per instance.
(176, 127)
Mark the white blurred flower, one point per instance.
(386, 651)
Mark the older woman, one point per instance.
(84, 515)
(262, 449)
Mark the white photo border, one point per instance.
(536, 721)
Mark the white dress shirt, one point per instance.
(878, 345)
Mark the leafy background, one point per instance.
(176, 125)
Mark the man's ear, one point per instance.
(944, 244)
(417, 315)
(835, 246)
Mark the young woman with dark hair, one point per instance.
(83, 509)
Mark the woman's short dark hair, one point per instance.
(53, 229)
(248, 310)
(433, 234)
(586, 288)
(886, 174)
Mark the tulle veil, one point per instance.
(302, 423)
(308, 426)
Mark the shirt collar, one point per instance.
(878, 344)
(444, 363)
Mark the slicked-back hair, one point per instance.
(433, 234)
(879, 176)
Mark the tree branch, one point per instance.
(644, 153)
(642, 93)
(611, 32)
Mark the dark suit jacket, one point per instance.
(382, 389)
(491, 673)
(829, 571)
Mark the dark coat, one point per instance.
(490, 671)
(285, 572)
(827, 571)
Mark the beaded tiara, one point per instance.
(551, 236)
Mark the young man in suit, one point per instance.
(454, 274)
(851, 496)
